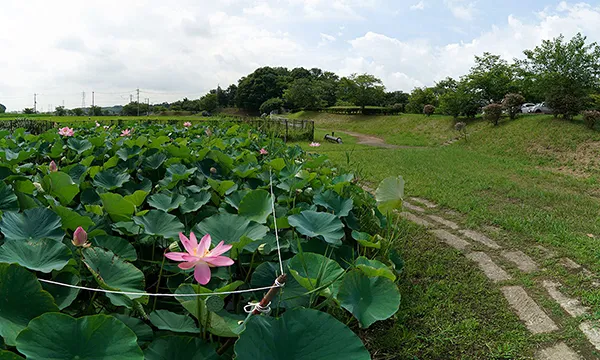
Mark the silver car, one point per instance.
(526, 108)
(541, 108)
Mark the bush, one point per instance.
(461, 127)
(428, 110)
(357, 110)
(271, 105)
(512, 103)
(492, 113)
(591, 118)
(398, 107)
(564, 104)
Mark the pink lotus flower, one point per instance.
(66, 131)
(80, 238)
(97, 124)
(53, 167)
(187, 124)
(106, 127)
(199, 257)
(263, 151)
(314, 144)
(126, 132)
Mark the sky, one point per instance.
(183, 48)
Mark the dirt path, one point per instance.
(374, 141)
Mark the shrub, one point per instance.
(428, 110)
(271, 105)
(398, 107)
(564, 104)
(492, 113)
(512, 103)
(591, 118)
(461, 127)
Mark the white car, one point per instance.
(541, 108)
(526, 108)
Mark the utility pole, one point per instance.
(138, 100)
(34, 103)
(93, 102)
(130, 98)
(82, 100)
(148, 109)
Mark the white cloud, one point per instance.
(326, 39)
(461, 9)
(418, 6)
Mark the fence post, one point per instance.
(286, 131)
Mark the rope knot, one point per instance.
(255, 306)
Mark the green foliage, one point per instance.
(362, 90)
(492, 113)
(304, 93)
(460, 101)
(60, 111)
(420, 97)
(492, 76)
(2, 109)
(208, 102)
(428, 110)
(263, 84)
(274, 104)
(591, 118)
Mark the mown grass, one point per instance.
(535, 177)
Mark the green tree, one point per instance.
(565, 72)
(95, 111)
(28, 111)
(274, 104)
(78, 112)
(362, 90)
(420, 97)
(2, 109)
(263, 84)
(462, 101)
(208, 102)
(60, 111)
(492, 76)
(304, 93)
(329, 84)
(398, 98)
(229, 93)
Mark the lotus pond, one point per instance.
(96, 221)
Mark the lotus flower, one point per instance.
(187, 124)
(199, 257)
(106, 127)
(314, 144)
(97, 124)
(126, 132)
(53, 167)
(66, 131)
(80, 238)
(263, 151)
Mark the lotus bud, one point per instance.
(63, 159)
(213, 170)
(53, 167)
(80, 238)
(38, 186)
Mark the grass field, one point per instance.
(535, 177)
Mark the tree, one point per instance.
(329, 83)
(419, 98)
(444, 86)
(229, 96)
(492, 113)
(2, 109)
(398, 98)
(362, 90)
(512, 103)
(461, 101)
(428, 110)
(564, 72)
(304, 93)
(95, 111)
(493, 76)
(78, 112)
(263, 84)
(208, 102)
(270, 105)
(60, 111)
(28, 111)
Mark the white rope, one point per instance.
(275, 223)
(276, 285)
(255, 306)
(153, 294)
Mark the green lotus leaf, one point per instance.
(155, 161)
(42, 255)
(71, 220)
(7, 355)
(369, 299)
(137, 198)
(176, 173)
(63, 296)
(223, 188)
(229, 228)
(321, 225)
(158, 223)
(126, 153)
(315, 271)
(22, 300)
(165, 201)
(117, 207)
(110, 179)
(119, 246)
(32, 224)
(333, 202)
(180, 347)
(302, 334)
(61, 186)
(167, 320)
(389, 194)
(256, 206)
(112, 273)
(194, 202)
(79, 145)
(60, 336)
(235, 198)
(8, 199)
(373, 268)
(292, 295)
(143, 332)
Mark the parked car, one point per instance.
(541, 108)
(526, 108)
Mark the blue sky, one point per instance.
(186, 47)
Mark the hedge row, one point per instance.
(353, 110)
